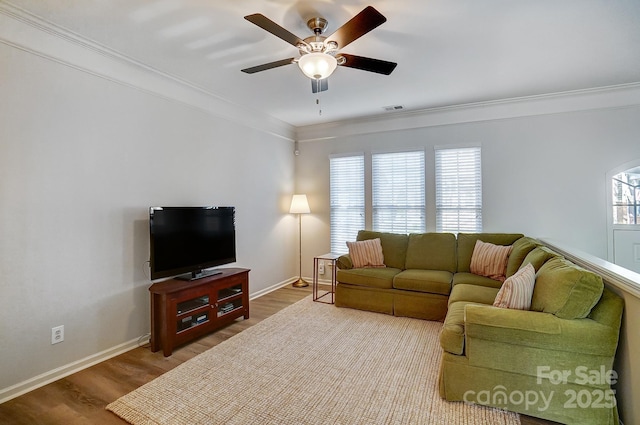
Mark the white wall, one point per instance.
(543, 175)
(83, 155)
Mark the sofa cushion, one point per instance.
(431, 251)
(452, 333)
(517, 290)
(394, 246)
(521, 248)
(473, 293)
(490, 260)
(433, 281)
(466, 242)
(474, 279)
(344, 262)
(566, 290)
(373, 278)
(366, 253)
(538, 256)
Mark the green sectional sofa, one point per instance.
(553, 361)
(419, 274)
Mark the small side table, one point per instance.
(325, 257)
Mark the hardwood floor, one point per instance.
(80, 399)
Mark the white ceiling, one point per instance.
(449, 52)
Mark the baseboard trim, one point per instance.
(274, 287)
(41, 380)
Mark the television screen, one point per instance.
(190, 240)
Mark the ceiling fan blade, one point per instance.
(368, 64)
(319, 85)
(269, 65)
(275, 29)
(368, 19)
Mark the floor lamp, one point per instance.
(299, 205)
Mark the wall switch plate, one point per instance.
(57, 334)
(321, 267)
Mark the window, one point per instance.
(398, 192)
(347, 200)
(626, 197)
(458, 190)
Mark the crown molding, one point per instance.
(619, 96)
(30, 33)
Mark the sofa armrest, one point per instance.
(540, 330)
(344, 262)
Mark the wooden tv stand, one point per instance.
(184, 310)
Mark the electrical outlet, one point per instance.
(57, 334)
(321, 267)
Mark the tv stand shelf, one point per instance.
(184, 310)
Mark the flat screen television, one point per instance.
(186, 241)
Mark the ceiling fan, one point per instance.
(321, 55)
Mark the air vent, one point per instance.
(393, 108)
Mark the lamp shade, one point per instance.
(299, 205)
(317, 66)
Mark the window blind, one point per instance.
(398, 192)
(347, 200)
(458, 190)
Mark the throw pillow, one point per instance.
(521, 248)
(366, 253)
(517, 290)
(490, 260)
(394, 246)
(566, 290)
(538, 257)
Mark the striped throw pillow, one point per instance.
(366, 253)
(490, 260)
(517, 290)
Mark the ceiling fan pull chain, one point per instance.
(319, 107)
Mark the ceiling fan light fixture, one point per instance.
(317, 66)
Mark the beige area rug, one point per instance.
(311, 363)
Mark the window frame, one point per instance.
(611, 227)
